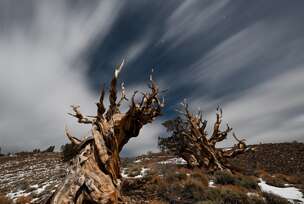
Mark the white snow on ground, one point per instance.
(290, 193)
(137, 161)
(211, 184)
(123, 174)
(41, 189)
(38, 190)
(34, 186)
(173, 161)
(143, 173)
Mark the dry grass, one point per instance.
(289, 179)
(234, 188)
(200, 176)
(226, 178)
(157, 202)
(274, 199)
(271, 179)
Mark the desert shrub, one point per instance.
(273, 181)
(274, 199)
(5, 200)
(36, 151)
(224, 178)
(194, 190)
(157, 202)
(256, 200)
(178, 187)
(133, 171)
(232, 197)
(201, 177)
(288, 179)
(69, 151)
(1, 153)
(23, 153)
(247, 182)
(206, 202)
(49, 149)
(176, 177)
(126, 162)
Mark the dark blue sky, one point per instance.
(246, 56)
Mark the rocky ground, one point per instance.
(160, 178)
(31, 175)
(285, 158)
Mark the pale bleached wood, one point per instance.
(94, 174)
(190, 141)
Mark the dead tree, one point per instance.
(94, 174)
(190, 141)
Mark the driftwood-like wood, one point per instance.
(94, 174)
(190, 141)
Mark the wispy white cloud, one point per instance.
(42, 69)
(146, 141)
(135, 50)
(270, 109)
(263, 43)
(269, 112)
(193, 17)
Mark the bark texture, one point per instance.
(190, 141)
(94, 174)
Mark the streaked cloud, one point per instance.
(43, 68)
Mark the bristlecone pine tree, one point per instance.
(94, 174)
(190, 141)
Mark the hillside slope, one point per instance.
(163, 178)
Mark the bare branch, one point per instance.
(81, 118)
(100, 106)
(123, 95)
(113, 92)
(190, 140)
(73, 140)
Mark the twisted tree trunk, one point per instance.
(190, 141)
(94, 174)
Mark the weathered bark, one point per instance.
(190, 141)
(94, 174)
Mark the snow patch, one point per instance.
(211, 184)
(143, 173)
(34, 186)
(174, 161)
(138, 161)
(290, 193)
(123, 173)
(41, 189)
